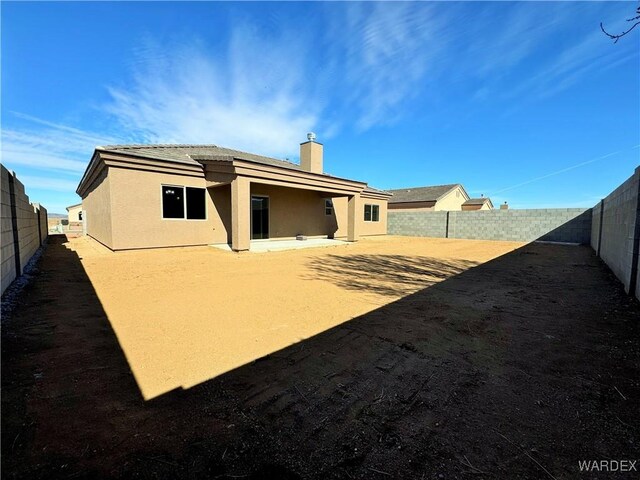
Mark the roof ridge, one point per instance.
(426, 186)
(140, 146)
(133, 146)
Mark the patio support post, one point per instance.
(240, 213)
(353, 211)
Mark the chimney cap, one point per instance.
(311, 137)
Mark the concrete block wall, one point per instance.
(615, 235)
(550, 224)
(23, 228)
(417, 224)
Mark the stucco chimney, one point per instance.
(311, 154)
(504, 206)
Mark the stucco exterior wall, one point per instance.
(123, 210)
(136, 212)
(97, 207)
(73, 214)
(468, 208)
(364, 228)
(293, 212)
(452, 200)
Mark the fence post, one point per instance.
(446, 228)
(14, 224)
(636, 239)
(600, 226)
(37, 210)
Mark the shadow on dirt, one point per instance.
(533, 355)
(389, 275)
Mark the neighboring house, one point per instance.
(141, 196)
(74, 213)
(482, 203)
(437, 197)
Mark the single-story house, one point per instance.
(482, 203)
(436, 197)
(142, 196)
(74, 213)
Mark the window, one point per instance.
(367, 213)
(372, 213)
(328, 207)
(172, 202)
(196, 208)
(80, 216)
(178, 200)
(375, 213)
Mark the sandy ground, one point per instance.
(186, 315)
(517, 368)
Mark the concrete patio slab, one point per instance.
(261, 246)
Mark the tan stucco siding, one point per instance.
(293, 211)
(137, 212)
(364, 228)
(73, 214)
(484, 206)
(452, 200)
(97, 207)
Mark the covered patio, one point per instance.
(267, 202)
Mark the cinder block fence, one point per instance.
(615, 232)
(23, 229)
(612, 228)
(553, 224)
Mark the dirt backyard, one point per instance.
(391, 358)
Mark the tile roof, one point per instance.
(421, 194)
(188, 154)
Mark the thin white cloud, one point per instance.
(49, 183)
(52, 148)
(251, 97)
(553, 174)
(390, 48)
(585, 56)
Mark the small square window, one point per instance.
(328, 207)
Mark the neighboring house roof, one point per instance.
(376, 190)
(421, 194)
(73, 206)
(188, 153)
(478, 201)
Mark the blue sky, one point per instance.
(526, 102)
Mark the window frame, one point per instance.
(373, 207)
(184, 203)
(328, 207)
